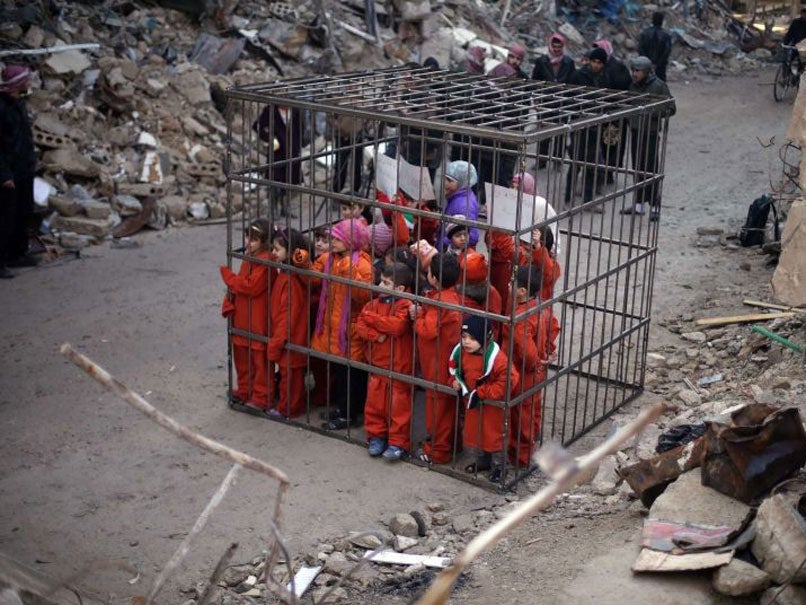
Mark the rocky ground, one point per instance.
(87, 480)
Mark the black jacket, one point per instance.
(655, 43)
(616, 74)
(544, 73)
(17, 153)
(796, 31)
(653, 85)
(584, 76)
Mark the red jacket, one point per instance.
(547, 264)
(390, 318)
(494, 387)
(534, 343)
(250, 294)
(288, 320)
(436, 327)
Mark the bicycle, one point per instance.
(787, 77)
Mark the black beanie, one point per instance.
(477, 327)
(598, 54)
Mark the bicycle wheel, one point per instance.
(782, 80)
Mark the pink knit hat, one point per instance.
(502, 70)
(380, 237)
(517, 50)
(352, 232)
(14, 77)
(525, 180)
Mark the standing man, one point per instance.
(515, 56)
(655, 43)
(17, 168)
(555, 66)
(644, 133)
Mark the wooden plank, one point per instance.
(738, 319)
(766, 305)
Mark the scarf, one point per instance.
(455, 369)
(345, 309)
(15, 77)
(556, 57)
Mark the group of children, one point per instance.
(461, 356)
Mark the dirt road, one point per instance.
(84, 478)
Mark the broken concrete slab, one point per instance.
(85, 226)
(96, 209)
(192, 85)
(72, 162)
(784, 595)
(74, 241)
(739, 578)
(789, 279)
(780, 542)
(67, 62)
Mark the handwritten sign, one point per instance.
(386, 174)
(416, 181)
(502, 211)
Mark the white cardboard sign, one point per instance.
(416, 181)
(386, 174)
(502, 209)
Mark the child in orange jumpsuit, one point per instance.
(385, 325)
(479, 370)
(337, 313)
(534, 344)
(437, 330)
(248, 307)
(288, 320)
(538, 253)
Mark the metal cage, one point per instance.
(303, 151)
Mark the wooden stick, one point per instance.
(49, 50)
(209, 590)
(357, 32)
(766, 305)
(565, 470)
(738, 319)
(165, 421)
(184, 547)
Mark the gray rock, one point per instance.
(403, 524)
(606, 481)
(364, 540)
(67, 62)
(75, 241)
(440, 518)
(787, 595)
(126, 205)
(85, 226)
(176, 206)
(70, 161)
(655, 360)
(780, 542)
(463, 524)
(738, 578)
(689, 397)
(337, 564)
(423, 524)
(66, 206)
(95, 209)
(235, 575)
(403, 543)
(435, 507)
(339, 595)
(413, 570)
(698, 337)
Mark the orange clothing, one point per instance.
(484, 424)
(493, 304)
(250, 296)
(400, 229)
(387, 412)
(502, 257)
(534, 343)
(328, 340)
(547, 264)
(252, 376)
(437, 331)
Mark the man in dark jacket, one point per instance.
(614, 134)
(656, 44)
(644, 136)
(555, 66)
(17, 168)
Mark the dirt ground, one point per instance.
(84, 478)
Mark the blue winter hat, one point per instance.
(463, 173)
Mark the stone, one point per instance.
(737, 579)
(365, 540)
(789, 279)
(435, 507)
(414, 570)
(787, 595)
(70, 161)
(689, 397)
(606, 481)
(67, 62)
(75, 241)
(463, 524)
(423, 524)
(95, 209)
(192, 85)
(126, 205)
(698, 337)
(338, 595)
(709, 231)
(780, 542)
(85, 226)
(337, 564)
(141, 189)
(403, 524)
(66, 206)
(655, 360)
(235, 575)
(177, 207)
(218, 210)
(440, 518)
(403, 543)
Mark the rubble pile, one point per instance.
(130, 101)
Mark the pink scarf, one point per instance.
(14, 78)
(556, 56)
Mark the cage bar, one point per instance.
(304, 152)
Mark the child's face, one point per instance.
(449, 186)
(252, 243)
(470, 344)
(459, 239)
(349, 211)
(521, 293)
(338, 246)
(388, 260)
(280, 251)
(321, 244)
(388, 283)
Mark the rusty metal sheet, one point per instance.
(756, 451)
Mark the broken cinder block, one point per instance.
(780, 542)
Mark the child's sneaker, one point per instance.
(394, 453)
(376, 446)
(275, 413)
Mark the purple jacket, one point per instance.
(463, 202)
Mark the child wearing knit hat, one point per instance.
(459, 179)
(480, 375)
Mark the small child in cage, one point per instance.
(288, 319)
(337, 313)
(479, 372)
(534, 344)
(321, 241)
(437, 330)
(385, 326)
(248, 305)
(459, 179)
(537, 252)
(380, 241)
(355, 210)
(458, 236)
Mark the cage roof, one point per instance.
(510, 109)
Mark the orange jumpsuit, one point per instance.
(547, 264)
(437, 332)
(400, 230)
(502, 256)
(534, 342)
(484, 424)
(387, 412)
(250, 294)
(288, 316)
